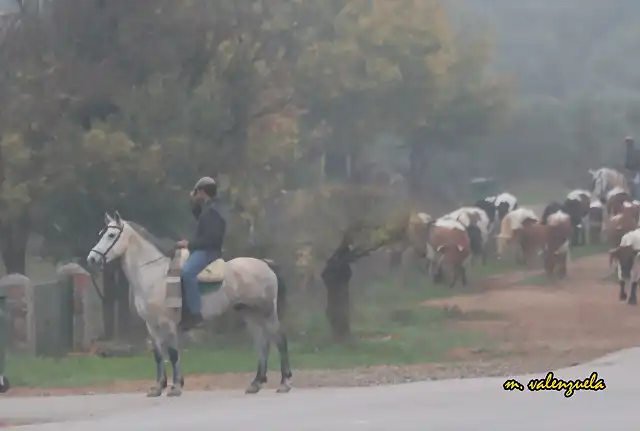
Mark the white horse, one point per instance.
(249, 286)
(604, 180)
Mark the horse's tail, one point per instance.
(281, 302)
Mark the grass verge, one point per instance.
(388, 322)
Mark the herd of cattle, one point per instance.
(605, 213)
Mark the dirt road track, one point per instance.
(581, 314)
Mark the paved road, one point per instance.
(442, 405)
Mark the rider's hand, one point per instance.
(182, 243)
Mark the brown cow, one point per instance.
(556, 252)
(631, 209)
(533, 239)
(448, 250)
(618, 225)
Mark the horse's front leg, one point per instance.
(263, 345)
(174, 356)
(161, 372)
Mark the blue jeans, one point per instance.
(198, 260)
(635, 191)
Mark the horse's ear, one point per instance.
(117, 218)
(592, 172)
(107, 219)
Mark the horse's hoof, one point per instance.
(623, 297)
(5, 385)
(175, 391)
(283, 388)
(154, 392)
(252, 389)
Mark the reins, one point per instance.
(104, 256)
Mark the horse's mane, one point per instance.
(164, 246)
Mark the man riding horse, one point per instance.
(204, 248)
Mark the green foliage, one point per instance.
(396, 66)
(122, 105)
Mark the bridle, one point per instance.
(103, 254)
(120, 229)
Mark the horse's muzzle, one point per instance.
(94, 260)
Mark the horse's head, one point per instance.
(597, 183)
(114, 240)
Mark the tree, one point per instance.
(386, 67)
(396, 67)
(148, 97)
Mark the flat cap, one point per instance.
(204, 181)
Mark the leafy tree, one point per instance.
(396, 67)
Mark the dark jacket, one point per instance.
(210, 230)
(632, 159)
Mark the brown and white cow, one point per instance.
(478, 226)
(505, 203)
(628, 264)
(615, 201)
(448, 251)
(595, 221)
(511, 229)
(556, 251)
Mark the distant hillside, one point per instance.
(562, 47)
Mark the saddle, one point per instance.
(209, 280)
(213, 273)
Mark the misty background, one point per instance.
(314, 116)
(576, 80)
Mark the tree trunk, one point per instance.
(15, 235)
(395, 256)
(336, 276)
(417, 166)
(338, 306)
